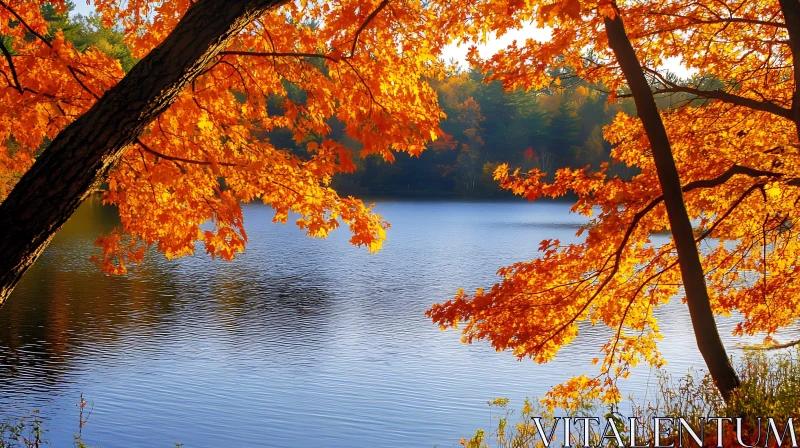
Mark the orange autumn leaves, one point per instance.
(360, 63)
(46, 87)
(736, 149)
(348, 69)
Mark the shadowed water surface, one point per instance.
(297, 343)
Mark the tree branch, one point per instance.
(25, 24)
(764, 106)
(364, 25)
(772, 347)
(278, 54)
(7, 54)
(718, 94)
(698, 21)
(181, 159)
(82, 84)
(699, 238)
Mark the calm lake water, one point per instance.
(297, 343)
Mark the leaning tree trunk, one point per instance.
(82, 154)
(791, 16)
(694, 282)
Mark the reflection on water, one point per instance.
(298, 342)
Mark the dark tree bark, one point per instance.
(81, 156)
(694, 282)
(791, 16)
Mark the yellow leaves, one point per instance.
(499, 401)
(368, 228)
(501, 172)
(774, 192)
(256, 167)
(617, 275)
(574, 394)
(625, 266)
(527, 408)
(204, 123)
(117, 251)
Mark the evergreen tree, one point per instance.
(564, 133)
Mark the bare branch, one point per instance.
(718, 94)
(181, 159)
(772, 347)
(725, 20)
(764, 106)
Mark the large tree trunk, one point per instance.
(791, 16)
(694, 283)
(83, 153)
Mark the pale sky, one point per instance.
(82, 8)
(460, 53)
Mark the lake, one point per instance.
(297, 343)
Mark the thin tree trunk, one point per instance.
(791, 16)
(705, 328)
(81, 155)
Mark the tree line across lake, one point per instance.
(487, 126)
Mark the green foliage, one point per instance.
(27, 432)
(87, 32)
(771, 386)
(564, 130)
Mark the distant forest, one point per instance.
(487, 126)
